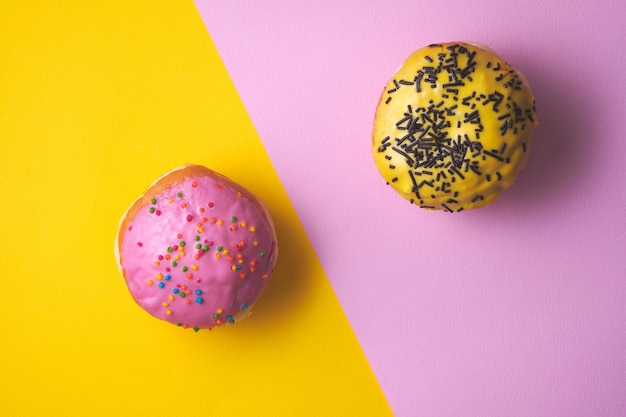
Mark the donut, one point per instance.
(196, 249)
(453, 127)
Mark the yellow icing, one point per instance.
(450, 158)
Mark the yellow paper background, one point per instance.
(97, 99)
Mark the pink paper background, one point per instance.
(517, 309)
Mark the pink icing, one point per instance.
(199, 255)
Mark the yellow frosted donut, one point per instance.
(453, 127)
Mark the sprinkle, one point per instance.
(262, 254)
(195, 329)
(206, 248)
(233, 219)
(153, 201)
(194, 267)
(233, 268)
(159, 276)
(255, 243)
(265, 276)
(165, 304)
(232, 228)
(220, 222)
(158, 212)
(157, 263)
(183, 205)
(244, 306)
(175, 290)
(150, 282)
(169, 312)
(219, 248)
(171, 200)
(198, 292)
(187, 301)
(199, 300)
(168, 277)
(200, 229)
(174, 263)
(230, 319)
(161, 284)
(201, 210)
(194, 184)
(212, 220)
(218, 255)
(211, 205)
(252, 229)
(219, 310)
(242, 224)
(184, 268)
(189, 217)
(151, 209)
(179, 195)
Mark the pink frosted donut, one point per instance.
(196, 249)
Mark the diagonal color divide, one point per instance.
(95, 102)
